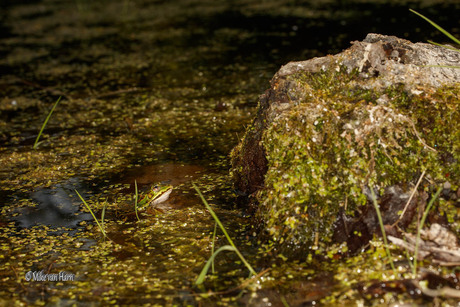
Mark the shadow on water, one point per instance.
(57, 206)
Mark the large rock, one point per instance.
(331, 129)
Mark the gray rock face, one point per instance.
(393, 59)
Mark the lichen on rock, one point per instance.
(330, 132)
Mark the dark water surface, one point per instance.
(152, 91)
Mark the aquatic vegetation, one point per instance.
(104, 207)
(382, 228)
(91, 211)
(143, 88)
(419, 228)
(230, 247)
(135, 200)
(45, 122)
(213, 244)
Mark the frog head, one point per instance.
(158, 193)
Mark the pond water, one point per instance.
(152, 91)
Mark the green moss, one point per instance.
(341, 138)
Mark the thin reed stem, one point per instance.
(45, 122)
(230, 247)
(422, 222)
(453, 38)
(382, 229)
(213, 246)
(135, 200)
(91, 211)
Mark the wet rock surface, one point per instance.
(331, 128)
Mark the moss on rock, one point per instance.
(336, 139)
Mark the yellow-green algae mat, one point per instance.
(154, 261)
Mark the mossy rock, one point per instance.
(327, 138)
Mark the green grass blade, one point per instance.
(284, 301)
(442, 66)
(224, 231)
(45, 122)
(213, 245)
(437, 27)
(422, 222)
(135, 200)
(406, 251)
(91, 211)
(103, 213)
(382, 229)
(205, 270)
(444, 46)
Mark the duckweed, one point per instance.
(140, 86)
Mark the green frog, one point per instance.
(157, 195)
